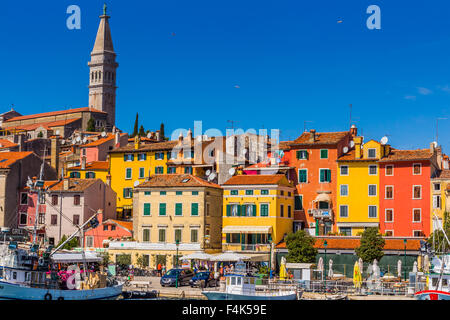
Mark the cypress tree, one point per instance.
(141, 131)
(136, 126)
(161, 131)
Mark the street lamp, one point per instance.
(177, 242)
(404, 260)
(325, 243)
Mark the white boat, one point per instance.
(438, 280)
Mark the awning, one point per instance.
(76, 257)
(325, 197)
(247, 229)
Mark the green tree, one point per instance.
(437, 237)
(161, 131)
(123, 259)
(106, 258)
(141, 131)
(140, 260)
(91, 125)
(300, 247)
(371, 247)
(136, 126)
(73, 243)
(40, 134)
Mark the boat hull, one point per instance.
(217, 295)
(10, 291)
(432, 295)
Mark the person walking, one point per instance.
(159, 267)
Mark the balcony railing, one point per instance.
(246, 247)
(321, 213)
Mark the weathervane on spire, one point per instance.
(104, 9)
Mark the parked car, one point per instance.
(206, 276)
(171, 276)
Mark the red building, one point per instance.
(106, 231)
(405, 192)
(314, 156)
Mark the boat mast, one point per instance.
(37, 186)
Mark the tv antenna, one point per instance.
(232, 123)
(304, 124)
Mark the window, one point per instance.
(417, 168)
(298, 202)
(302, 154)
(54, 200)
(188, 170)
(417, 215)
(346, 231)
(179, 193)
(389, 192)
(303, 175)
(344, 170)
(372, 190)
(147, 193)
(54, 220)
(389, 215)
(344, 190)
(417, 233)
(75, 174)
(159, 155)
(372, 211)
(142, 156)
(249, 192)
(178, 209)
(195, 193)
(233, 210)
(90, 241)
(178, 235)
(162, 235)
(24, 198)
(207, 209)
(90, 175)
(113, 227)
(159, 170)
(146, 235)
(437, 187)
(389, 233)
(249, 210)
(128, 173)
(147, 209)
(41, 219)
(162, 209)
(281, 210)
(289, 211)
(371, 153)
(76, 200)
(194, 209)
(234, 192)
(417, 192)
(76, 219)
(23, 218)
(264, 192)
(372, 170)
(171, 170)
(194, 235)
(436, 202)
(264, 210)
(282, 193)
(127, 193)
(324, 154)
(141, 173)
(105, 227)
(162, 193)
(325, 175)
(343, 211)
(128, 157)
(389, 170)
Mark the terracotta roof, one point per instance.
(157, 146)
(100, 141)
(54, 113)
(4, 144)
(75, 184)
(444, 174)
(94, 165)
(9, 158)
(407, 155)
(284, 145)
(176, 180)
(145, 139)
(321, 138)
(259, 179)
(125, 224)
(45, 125)
(352, 243)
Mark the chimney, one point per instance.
(189, 135)
(83, 163)
(116, 139)
(137, 142)
(180, 137)
(54, 157)
(312, 135)
(100, 216)
(66, 184)
(432, 147)
(358, 142)
(353, 130)
(158, 135)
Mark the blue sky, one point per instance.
(291, 60)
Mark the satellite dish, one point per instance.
(212, 176)
(84, 140)
(352, 144)
(103, 134)
(384, 140)
(208, 172)
(345, 150)
(73, 142)
(232, 171)
(136, 183)
(78, 139)
(57, 132)
(435, 144)
(149, 135)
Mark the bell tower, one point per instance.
(102, 75)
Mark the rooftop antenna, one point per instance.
(437, 126)
(304, 124)
(232, 123)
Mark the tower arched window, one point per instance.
(100, 75)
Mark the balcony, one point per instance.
(246, 247)
(321, 213)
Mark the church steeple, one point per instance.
(102, 76)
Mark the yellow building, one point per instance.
(358, 182)
(257, 210)
(440, 197)
(91, 170)
(169, 208)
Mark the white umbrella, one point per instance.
(375, 269)
(199, 255)
(361, 266)
(320, 264)
(426, 264)
(229, 256)
(330, 271)
(415, 267)
(399, 268)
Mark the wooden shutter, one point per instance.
(254, 210)
(322, 175)
(228, 210)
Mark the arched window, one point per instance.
(100, 75)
